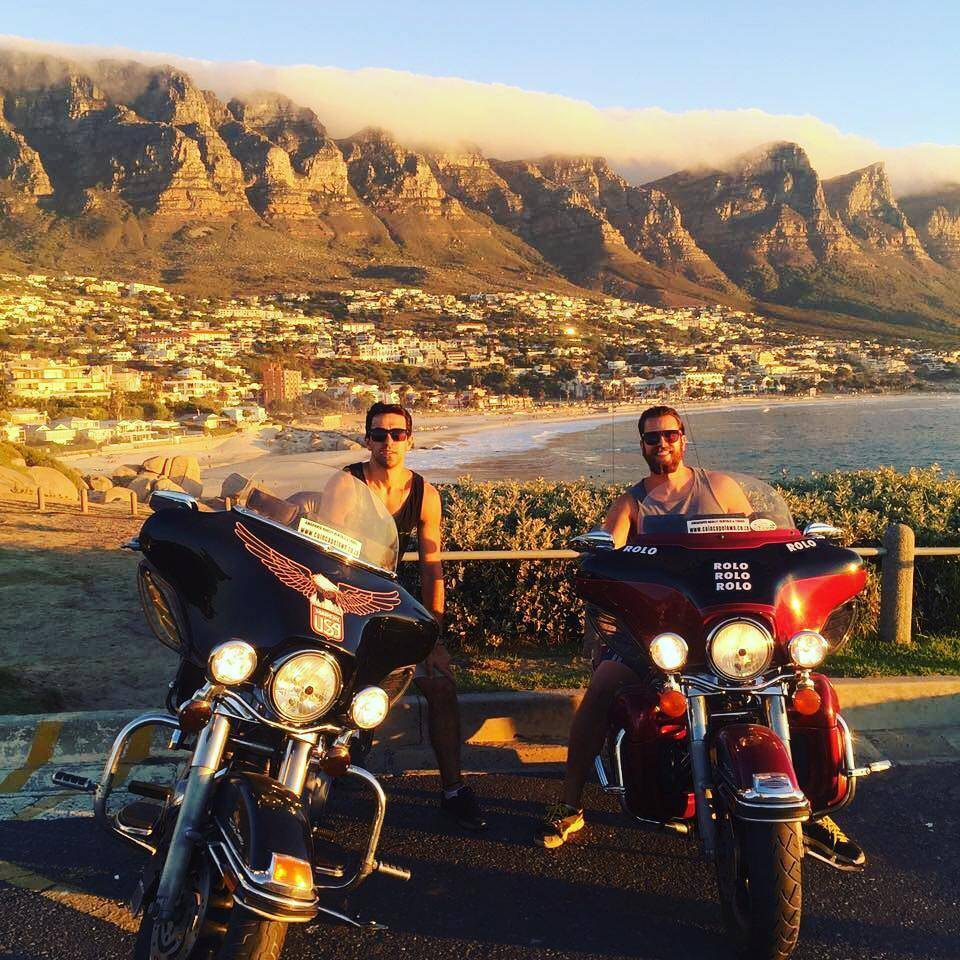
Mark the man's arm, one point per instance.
(729, 493)
(431, 574)
(621, 518)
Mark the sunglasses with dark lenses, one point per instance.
(380, 434)
(652, 437)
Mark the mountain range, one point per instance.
(122, 169)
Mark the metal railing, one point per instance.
(896, 556)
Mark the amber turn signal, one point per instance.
(195, 716)
(290, 872)
(673, 703)
(806, 701)
(335, 762)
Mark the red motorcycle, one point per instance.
(732, 736)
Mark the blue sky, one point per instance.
(885, 70)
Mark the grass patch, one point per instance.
(869, 657)
(927, 656)
(506, 671)
(18, 695)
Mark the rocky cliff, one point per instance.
(116, 166)
(863, 200)
(936, 217)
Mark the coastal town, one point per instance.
(88, 361)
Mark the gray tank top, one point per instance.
(697, 499)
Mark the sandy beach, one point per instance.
(444, 444)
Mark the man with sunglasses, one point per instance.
(671, 487)
(415, 506)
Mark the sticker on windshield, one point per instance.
(719, 525)
(329, 537)
(763, 523)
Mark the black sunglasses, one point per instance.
(652, 437)
(380, 434)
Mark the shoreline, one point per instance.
(444, 433)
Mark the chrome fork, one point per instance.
(700, 767)
(203, 766)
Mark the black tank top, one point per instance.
(407, 518)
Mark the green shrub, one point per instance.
(515, 604)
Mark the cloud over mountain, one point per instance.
(510, 123)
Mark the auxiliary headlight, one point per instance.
(808, 648)
(668, 651)
(369, 707)
(305, 686)
(740, 649)
(232, 662)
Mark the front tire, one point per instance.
(207, 925)
(759, 877)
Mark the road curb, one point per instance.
(487, 719)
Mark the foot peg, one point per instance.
(153, 791)
(63, 779)
(398, 873)
(878, 766)
(837, 863)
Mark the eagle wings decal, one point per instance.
(328, 601)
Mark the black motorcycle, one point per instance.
(295, 637)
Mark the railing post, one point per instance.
(41, 500)
(896, 585)
(134, 503)
(84, 503)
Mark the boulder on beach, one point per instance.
(116, 493)
(100, 484)
(16, 481)
(165, 483)
(54, 484)
(123, 475)
(142, 485)
(185, 471)
(344, 444)
(156, 465)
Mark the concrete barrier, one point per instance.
(489, 721)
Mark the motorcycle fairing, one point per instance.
(755, 776)
(794, 584)
(227, 591)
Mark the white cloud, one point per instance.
(511, 123)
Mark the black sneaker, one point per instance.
(463, 807)
(825, 841)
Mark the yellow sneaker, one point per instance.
(558, 823)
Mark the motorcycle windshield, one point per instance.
(713, 502)
(327, 506)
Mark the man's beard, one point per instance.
(658, 466)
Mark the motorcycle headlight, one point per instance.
(305, 686)
(232, 662)
(740, 649)
(668, 651)
(369, 707)
(807, 649)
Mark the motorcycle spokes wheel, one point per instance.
(760, 883)
(198, 923)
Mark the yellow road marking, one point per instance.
(86, 903)
(137, 750)
(43, 804)
(41, 750)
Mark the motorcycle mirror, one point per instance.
(822, 531)
(592, 541)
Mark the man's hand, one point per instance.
(438, 659)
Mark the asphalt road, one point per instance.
(613, 891)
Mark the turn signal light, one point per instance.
(335, 761)
(291, 872)
(673, 703)
(806, 701)
(195, 715)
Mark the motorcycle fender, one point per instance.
(256, 818)
(755, 776)
(259, 817)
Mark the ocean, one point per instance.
(767, 441)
